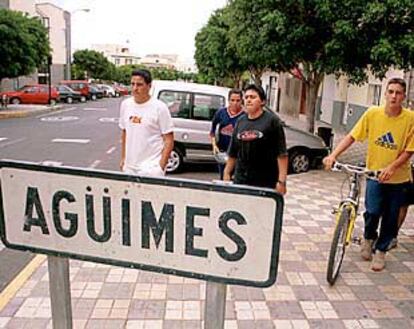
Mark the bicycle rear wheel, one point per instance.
(337, 252)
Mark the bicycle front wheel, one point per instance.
(337, 252)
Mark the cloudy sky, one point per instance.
(151, 26)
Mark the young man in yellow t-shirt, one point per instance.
(389, 130)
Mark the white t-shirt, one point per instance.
(144, 125)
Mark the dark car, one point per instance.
(68, 95)
(95, 93)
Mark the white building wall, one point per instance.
(26, 6)
(57, 32)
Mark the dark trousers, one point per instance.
(221, 169)
(382, 201)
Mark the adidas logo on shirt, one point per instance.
(386, 141)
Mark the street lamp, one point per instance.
(68, 19)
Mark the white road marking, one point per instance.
(111, 120)
(12, 142)
(60, 119)
(111, 150)
(3, 139)
(95, 164)
(56, 112)
(51, 163)
(68, 140)
(95, 109)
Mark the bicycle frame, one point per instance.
(351, 202)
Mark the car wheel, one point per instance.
(15, 101)
(83, 99)
(69, 100)
(93, 97)
(299, 162)
(175, 161)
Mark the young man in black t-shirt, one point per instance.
(257, 151)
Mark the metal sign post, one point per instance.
(186, 228)
(215, 306)
(59, 287)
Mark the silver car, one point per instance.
(192, 108)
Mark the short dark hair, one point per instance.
(235, 91)
(398, 81)
(143, 73)
(258, 89)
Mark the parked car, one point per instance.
(81, 86)
(95, 93)
(108, 91)
(32, 94)
(122, 90)
(192, 107)
(68, 95)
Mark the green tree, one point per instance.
(92, 64)
(318, 37)
(24, 44)
(215, 54)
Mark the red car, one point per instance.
(32, 94)
(121, 90)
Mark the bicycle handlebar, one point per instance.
(338, 166)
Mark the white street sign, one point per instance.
(227, 234)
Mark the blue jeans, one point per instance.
(382, 201)
(221, 169)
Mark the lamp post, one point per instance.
(68, 19)
(46, 24)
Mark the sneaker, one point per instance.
(366, 249)
(378, 261)
(393, 244)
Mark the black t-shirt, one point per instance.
(256, 144)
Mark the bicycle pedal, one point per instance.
(356, 240)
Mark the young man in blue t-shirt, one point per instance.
(223, 123)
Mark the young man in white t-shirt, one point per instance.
(147, 130)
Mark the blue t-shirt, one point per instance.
(225, 123)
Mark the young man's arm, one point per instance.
(387, 173)
(345, 143)
(282, 162)
(168, 147)
(230, 164)
(123, 149)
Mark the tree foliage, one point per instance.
(92, 64)
(24, 44)
(318, 37)
(215, 54)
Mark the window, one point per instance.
(206, 105)
(179, 103)
(374, 94)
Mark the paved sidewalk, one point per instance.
(22, 110)
(110, 297)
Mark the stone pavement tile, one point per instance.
(41, 289)
(116, 290)
(350, 310)
(406, 307)
(310, 293)
(91, 275)
(318, 310)
(174, 324)
(326, 324)
(82, 308)
(291, 324)
(291, 266)
(250, 324)
(385, 279)
(144, 324)
(19, 323)
(105, 324)
(395, 292)
(279, 292)
(367, 293)
(4, 321)
(338, 292)
(148, 309)
(285, 310)
(395, 323)
(382, 309)
(404, 278)
(11, 308)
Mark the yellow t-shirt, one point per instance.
(387, 138)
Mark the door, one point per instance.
(328, 98)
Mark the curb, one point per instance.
(9, 114)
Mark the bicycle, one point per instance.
(346, 215)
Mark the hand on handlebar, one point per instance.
(328, 162)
